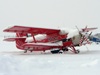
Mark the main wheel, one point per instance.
(55, 51)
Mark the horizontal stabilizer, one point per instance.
(88, 29)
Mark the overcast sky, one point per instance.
(49, 13)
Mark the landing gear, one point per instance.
(55, 51)
(60, 51)
(28, 49)
(31, 50)
(65, 49)
(77, 51)
(74, 50)
(25, 51)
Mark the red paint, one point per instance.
(52, 36)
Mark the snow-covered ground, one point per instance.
(15, 62)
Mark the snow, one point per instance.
(16, 62)
(38, 37)
(49, 14)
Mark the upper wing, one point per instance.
(24, 29)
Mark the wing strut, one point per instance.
(33, 38)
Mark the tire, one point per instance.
(55, 51)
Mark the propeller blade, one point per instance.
(78, 31)
(90, 34)
(85, 29)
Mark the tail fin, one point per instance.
(20, 40)
(18, 36)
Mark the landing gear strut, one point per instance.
(65, 49)
(77, 51)
(74, 50)
(28, 49)
(25, 51)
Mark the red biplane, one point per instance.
(42, 39)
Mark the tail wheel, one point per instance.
(77, 51)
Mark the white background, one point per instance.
(49, 13)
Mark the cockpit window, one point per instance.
(29, 35)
